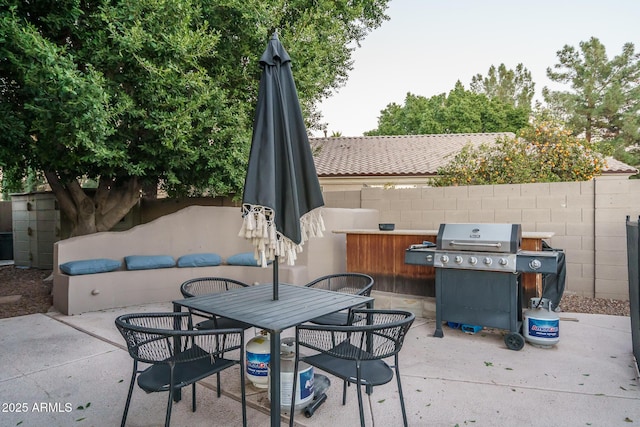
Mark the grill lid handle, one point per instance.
(491, 245)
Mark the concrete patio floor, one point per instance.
(59, 370)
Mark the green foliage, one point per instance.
(174, 114)
(512, 87)
(462, 111)
(544, 152)
(33, 181)
(604, 101)
(133, 93)
(45, 100)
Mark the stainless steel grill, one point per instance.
(478, 270)
(482, 247)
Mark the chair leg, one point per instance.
(193, 397)
(167, 418)
(224, 340)
(294, 385)
(344, 392)
(360, 405)
(218, 383)
(243, 393)
(126, 405)
(404, 412)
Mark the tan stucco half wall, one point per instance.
(195, 229)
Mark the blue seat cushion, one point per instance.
(149, 262)
(245, 258)
(90, 266)
(199, 260)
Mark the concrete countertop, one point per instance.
(525, 234)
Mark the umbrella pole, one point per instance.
(275, 279)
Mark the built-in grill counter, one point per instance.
(478, 275)
(382, 253)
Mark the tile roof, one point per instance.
(399, 155)
(403, 155)
(616, 166)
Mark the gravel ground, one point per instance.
(573, 303)
(24, 291)
(29, 291)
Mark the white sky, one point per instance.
(427, 45)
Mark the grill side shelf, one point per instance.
(419, 257)
(537, 262)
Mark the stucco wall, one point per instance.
(588, 219)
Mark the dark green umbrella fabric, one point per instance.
(281, 191)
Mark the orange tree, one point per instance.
(544, 152)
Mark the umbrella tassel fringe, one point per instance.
(259, 227)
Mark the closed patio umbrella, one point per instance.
(281, 190)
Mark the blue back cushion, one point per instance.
(245, 258)
(148, 262)
(199, 260)
(90, 266)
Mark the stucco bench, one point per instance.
(196, 229)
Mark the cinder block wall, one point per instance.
(588, 219)
(614, 200)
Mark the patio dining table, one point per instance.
(254, 305)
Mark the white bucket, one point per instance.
(257, 360)
(541, 324)
(304, 386)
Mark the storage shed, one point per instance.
(36, 227)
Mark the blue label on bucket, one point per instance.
(306, 384)
(258, 364)
(541, 328)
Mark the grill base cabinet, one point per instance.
(482, 298)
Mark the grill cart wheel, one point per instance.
(514, 341)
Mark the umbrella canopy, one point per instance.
(281, 190)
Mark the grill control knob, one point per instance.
(503, 261)
(473, 260)
(444, 259)
(535, 264)
(487, 261)
(458, 259)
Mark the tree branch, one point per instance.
(64, 200)
(103, 193)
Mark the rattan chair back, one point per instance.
(347, 283)
(178, 354)
(209, 285)
(355, 352)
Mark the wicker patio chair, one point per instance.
(178, 355)
(207, 286)
(348, 283)
(354, 352)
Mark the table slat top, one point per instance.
(254, 305)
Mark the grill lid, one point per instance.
(500, 238)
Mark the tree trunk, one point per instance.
(88, 214)
(150, 191)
